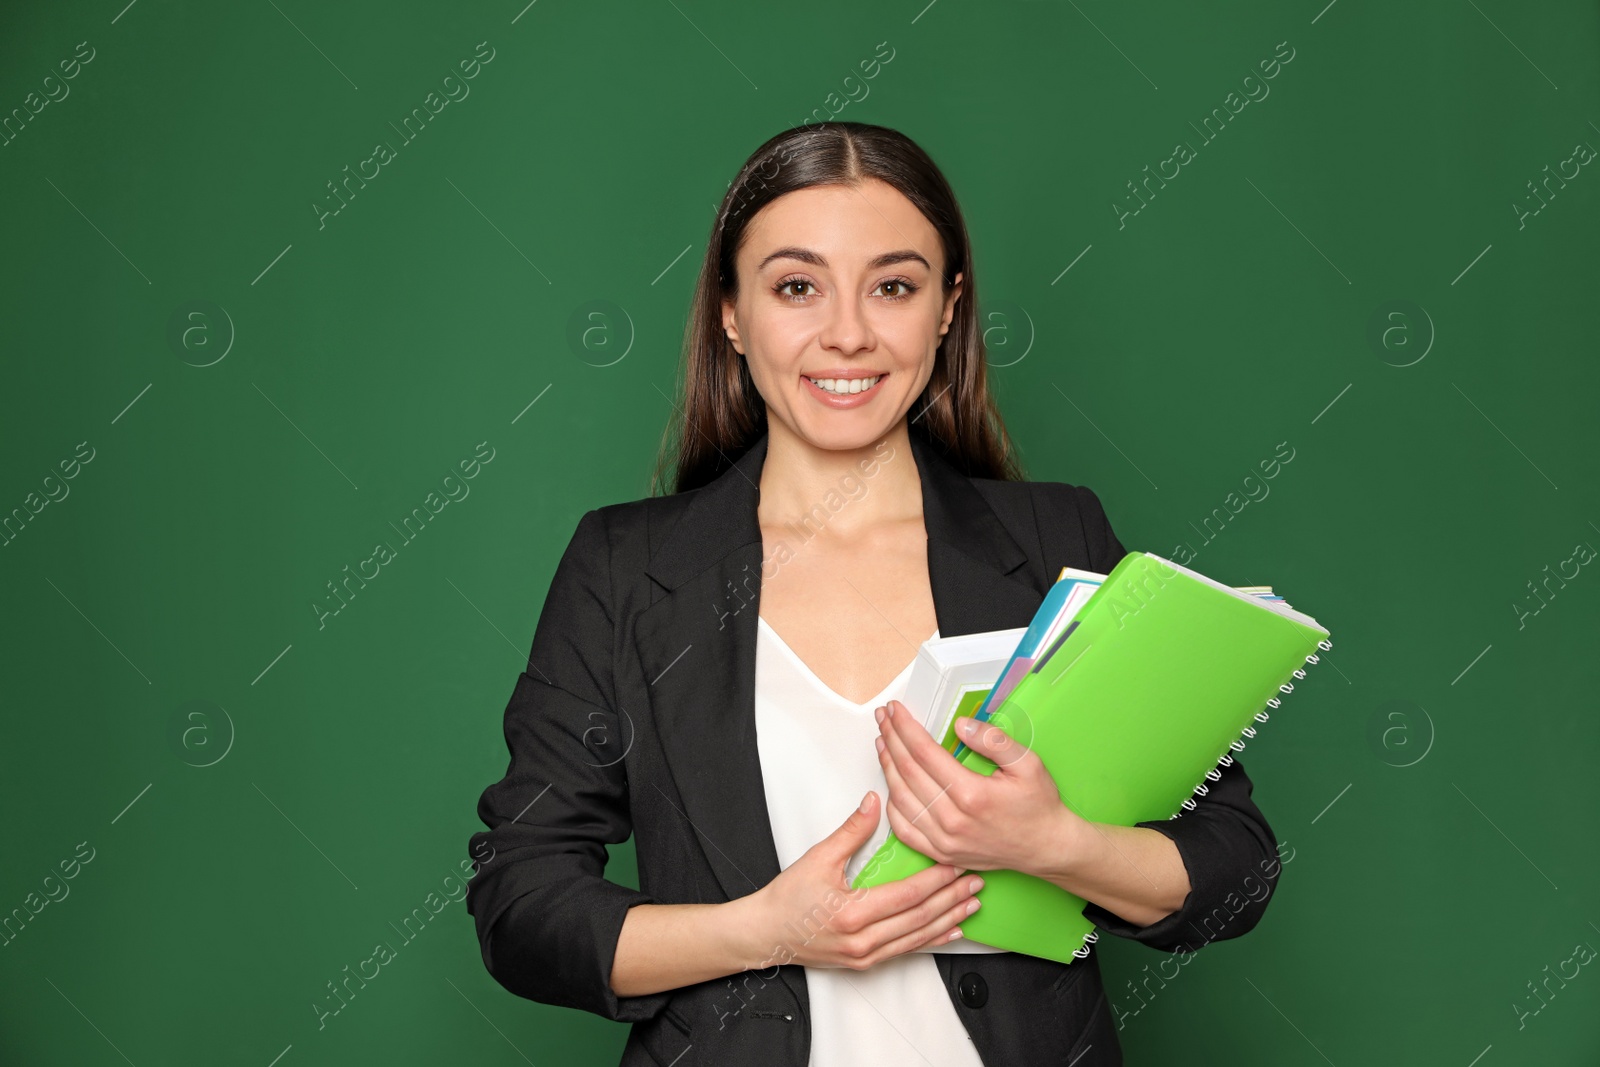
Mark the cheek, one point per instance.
(775, 341)
(771, 364)
(914, 367)
(767, 367)
(915, 346)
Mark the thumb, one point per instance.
(855, 830)
(990, 739)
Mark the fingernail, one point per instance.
(866, 801)
(879, 742)
(975, 885)
(972, 906)
(878, 714)
(966, 726)
(890, 706)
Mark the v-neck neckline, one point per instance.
(794, 657)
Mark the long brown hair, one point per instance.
(719, 412)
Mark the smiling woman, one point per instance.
(804, 316)
(833, 324)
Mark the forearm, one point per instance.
(667, 946)
(1131, 871)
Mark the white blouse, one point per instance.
(817, 761)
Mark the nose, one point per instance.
(848, 329)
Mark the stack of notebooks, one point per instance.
(1132, 688)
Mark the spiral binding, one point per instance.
(1088, 939)
(1250, 731)
(1225, 761)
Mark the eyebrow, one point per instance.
(806, 255)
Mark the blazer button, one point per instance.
(974, 990)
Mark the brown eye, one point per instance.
(905, 288)
(783, 289)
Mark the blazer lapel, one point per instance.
(697, 642)
(696, 646)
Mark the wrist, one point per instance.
(1070, 849)
(744, 924)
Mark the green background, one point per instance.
(1435, 781)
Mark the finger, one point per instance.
(990, 740)
(851, 834)
(917, 914)
(936, 930)
(923, 764)
(918, 824)
(921, 822)
(915, 831)
(901, 793)
(891, 898)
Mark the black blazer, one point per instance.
(637, 715)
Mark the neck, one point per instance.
(848, 489)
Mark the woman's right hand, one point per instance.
(811, 912)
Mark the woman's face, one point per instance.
(840, 284)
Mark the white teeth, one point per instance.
(845, 386)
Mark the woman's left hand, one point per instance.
(1013, 819)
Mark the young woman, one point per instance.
(716, 671)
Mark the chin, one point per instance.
(844, 434)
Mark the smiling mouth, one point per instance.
(845, 386)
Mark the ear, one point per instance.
(950, 304)
(730, 328)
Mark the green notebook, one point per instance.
(1162, 672)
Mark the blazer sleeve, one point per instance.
(1227, 847)
(547, 920)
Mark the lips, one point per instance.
(844, 384)
(835, 394)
